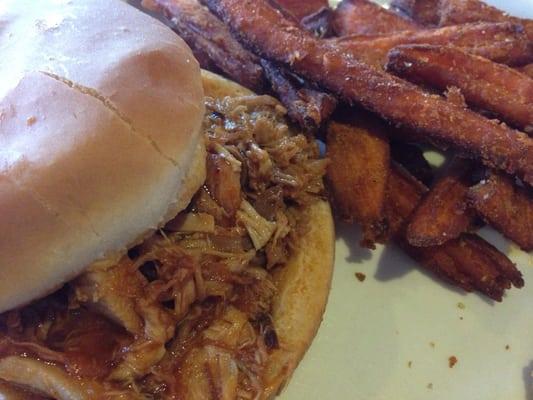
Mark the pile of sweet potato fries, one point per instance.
(378, 82)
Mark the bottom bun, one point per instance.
(218, 87)
(303, 289)
(303, 284)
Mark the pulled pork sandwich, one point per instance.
(157, 242)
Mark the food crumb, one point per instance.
(31, 120)
(410, 364)
(507, 347)
(452, 361)
(360, 276)
(432, 344)
(430, 386)
(461, 305)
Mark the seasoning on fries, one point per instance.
(454, 12)
(500, 42)
(443, 214)
(484, 84)
(506, 206)
(307, 106)
(366, 18)
(469, 261)
(266, 31)
(358, 173)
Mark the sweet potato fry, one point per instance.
(505, 206)
(314, 16)
(217, 50)
(358, 172)
(454, 12)
(454, 95)
(307, 106)
(469, 256)
(483, 83)
(501, 42)
(411, 157)
(319, 22)
(300, 9)
(403, 194)
(443, 214)
(211, 39)
(266, 31)
(364, 17)
(424, 12)
(204, 60)
(526, 70)
(468, 261)
(505, 266)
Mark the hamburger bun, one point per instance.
(100, 137)
(101, 145)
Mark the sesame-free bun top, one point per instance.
(101, 109)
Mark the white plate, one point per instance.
(400, 316)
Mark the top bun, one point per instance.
(101, 109)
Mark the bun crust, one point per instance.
(303, 288)
(100, 139)
(303, 284)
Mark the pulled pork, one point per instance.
(186, 314)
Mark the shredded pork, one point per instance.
(185, 315)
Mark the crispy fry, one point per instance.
(469, 256)
(505, 266)
(454, 12)
(358, 172)
(211, 39)
(204, 60)
(319, 23)
(364, 17)
(505, 206)
(527, 70)
(404, 192)
(424, 12)
(483, 83)
(444, 123)
(411, 157)
(468, 261)
(300, 9)
(442, 214)
(307, 106)
(501, 42)
(314, 16)
(454, 95)
(217, 50)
